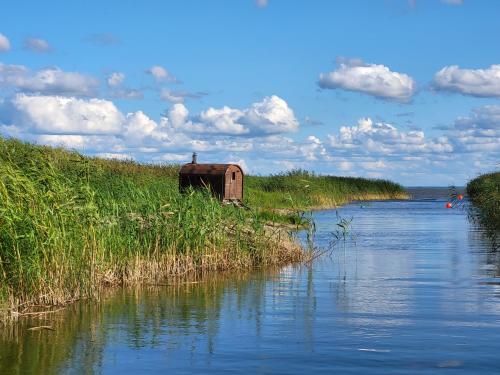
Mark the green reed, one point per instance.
(301, 190)
(70, 225)
(484, 193)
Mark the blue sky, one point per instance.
(406, 90)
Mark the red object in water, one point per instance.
(460, 197)
(448, 205)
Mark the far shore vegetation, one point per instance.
(484, 193)
(72, 225)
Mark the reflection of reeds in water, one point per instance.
(154, 316)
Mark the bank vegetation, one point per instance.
(72, 225)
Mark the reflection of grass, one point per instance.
(484, 192)
(168, 317)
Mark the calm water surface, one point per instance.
(418, 292)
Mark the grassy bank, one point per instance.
(303, 190)
(484, 193)
(71, 225)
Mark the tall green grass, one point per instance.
(70, 225)
(484, 193)
(302, 190)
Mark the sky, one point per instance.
(394, 89)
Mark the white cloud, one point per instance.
(272, 115)
(138, 126)
(262, 3)
(178, 115)
(475, 82)
(113, 155)
(374, 165)
(368, 148)
(222, 121)
(345, 165)
(4, 43)
(313, 149)
(172, 157)
(161, 74)
(115, 79)
(52, 81)
(37, 45)
(372, 79)
(369, 138)
(478, 132)
(62, 115)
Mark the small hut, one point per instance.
(224, 180)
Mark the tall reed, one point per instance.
(301, 189)
(484, 193)
(70, 225)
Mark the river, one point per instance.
(414, 289)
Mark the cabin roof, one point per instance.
(206, 169)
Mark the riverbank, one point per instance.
(72, 225)
(484, 193)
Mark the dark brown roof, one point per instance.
(205, 169)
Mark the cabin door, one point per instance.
(231, 185)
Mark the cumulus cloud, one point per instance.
(371, 79)
(272, 115)
(257, 136)
(97, 124)
(4, 43)
(52, 81)
(161, 74)
(475, 82)
(478, 132)
(379, 138)
(37, 45)
(63, 115)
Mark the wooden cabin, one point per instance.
(224, 180)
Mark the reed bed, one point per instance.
(304, 190)
(484, 193)
(71, 225)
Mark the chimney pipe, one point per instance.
(194, 158)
